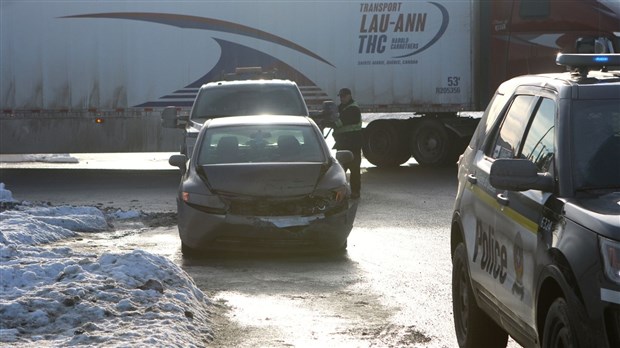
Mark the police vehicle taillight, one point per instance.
(611, 258)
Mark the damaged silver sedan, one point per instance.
(263, 183)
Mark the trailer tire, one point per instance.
(430, 143)
(384, 144)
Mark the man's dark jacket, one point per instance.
(348, 133)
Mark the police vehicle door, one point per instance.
(519, 213)
(478, 205)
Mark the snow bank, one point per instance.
(56, 297)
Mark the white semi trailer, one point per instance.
(94, 76)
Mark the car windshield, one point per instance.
(245, 100)
(260, 144)
(596, 144)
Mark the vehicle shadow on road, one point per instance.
(264, 256)
(273, 274)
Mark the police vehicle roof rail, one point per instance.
(580, 64)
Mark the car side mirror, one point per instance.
(179, 161)
(170, 119)
(518, 175)
(344, 156)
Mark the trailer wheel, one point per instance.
(430, 143)
(384, 144)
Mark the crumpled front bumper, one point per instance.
(201, 230)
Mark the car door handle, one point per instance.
(502, 199)
(472, 179)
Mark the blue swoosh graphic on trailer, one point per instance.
(233, 55)
(444, 25)
(195, 22)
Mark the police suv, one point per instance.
(535, 235)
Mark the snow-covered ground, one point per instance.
(56, 297)
(50, 158)
(115, 161)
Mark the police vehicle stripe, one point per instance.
(512, 214)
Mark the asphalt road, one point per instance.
(391, 289)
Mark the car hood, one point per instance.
(264, 179)
(600, 214)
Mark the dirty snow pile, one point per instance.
(56, 297)
(49, 158)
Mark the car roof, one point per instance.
(258, 120)
(237, 83)
(596, 85)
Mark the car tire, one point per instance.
(558, 331)
(473, 327)
(338, 251)
(188, 251)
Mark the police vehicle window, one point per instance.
(539, 145)
(494, 110)
(595, 130)
(534, 9)
(488, 120)
(510, 134)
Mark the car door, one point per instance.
(488, 255)
(519, 215)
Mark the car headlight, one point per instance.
(207, 203)
(611, 258)
(339, 194)
(327, 200)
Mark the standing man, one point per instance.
(348, 136)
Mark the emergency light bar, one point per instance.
(588, 60)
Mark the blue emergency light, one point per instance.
(588, 60)
(601, 59)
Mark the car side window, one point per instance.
(494, 110)
(539, 142)
(508, 139)
(487, 120)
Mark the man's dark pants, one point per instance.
(354, 168)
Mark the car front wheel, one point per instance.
(188, 251)
(473, 327)
(558, 330)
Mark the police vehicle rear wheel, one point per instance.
(473, 327)
(558, 330)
